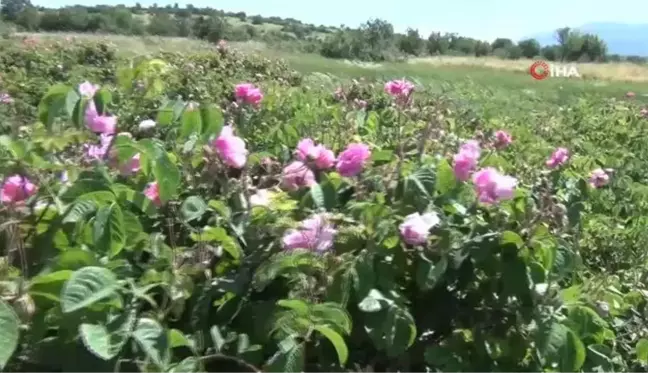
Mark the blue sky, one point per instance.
(481, 19)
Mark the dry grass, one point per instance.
(620, 71)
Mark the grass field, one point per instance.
(613, 79)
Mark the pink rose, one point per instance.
(415, 228)
(248, 94)
(16, 189)
(502, 139)
(152, 192)
(307, 150)
(492, 187)
(315, 234)
(88, 89)
(399, 88)
(99, 123)
(558, 158)
(231, 149)
(599, 178)
(352, 160)
(465, 161)
(97, 152)
(131, 167)
(297, 175)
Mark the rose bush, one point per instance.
(265, 226)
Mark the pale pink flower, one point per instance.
(152, 192)
(502, 139)
(599, 178)
(88, 89)
(644, 113)
(16, 189)
(558, 158)
(314, 233)
(465, 161)
(98, 152)
(5, 98)
(399, 88)
(353, 159)
(307, 151)
(262, 197)
(492, 187)
(296, 175)
(99, 123)
(248, 93)
(131, 167)
(415, 228)
(231, 149)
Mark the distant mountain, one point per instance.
(621, 38)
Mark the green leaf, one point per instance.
(109, 232)
(9, 332)
(188, 365)
(400, 330)
(212, 119)
(153, 339)
(219, 234)
(169, 113)
(87, 286)
(165, 171)
(49, 285)
(382, 156)
(317, 195)
(332, 314)
(429, 274)
(642, 350)
(191, 122)
(107, 341)
(297, 305)
(78, 113)
(337, 341)
(291, 360)
(572, 355)
(445, 179)
(509, 237)
(57, 99)
(101, 99)
(193, 208)
(217, 338)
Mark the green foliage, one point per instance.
(97, 268)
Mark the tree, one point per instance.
(562, 37)
(29, 18)
(411, 43)
(530, 48)
(11, 8)
(502, 43)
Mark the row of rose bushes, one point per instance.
(490, 185)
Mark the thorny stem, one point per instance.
(399, 154)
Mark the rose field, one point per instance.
(223, 211)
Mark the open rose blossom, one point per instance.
(297, 175)
(558, 158)
(502, 139)
(231, 149)
(132, 166)
(16, 189)
(152, 192)
(5, 98)
(106, 124)
(465, 161)
(97, 152)
(308, 151)
(415, 228)
(492, 187)
(248, 93)
(599, 178)
(399, 88)
(87, 89)
(353, 159)
(315, 234)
